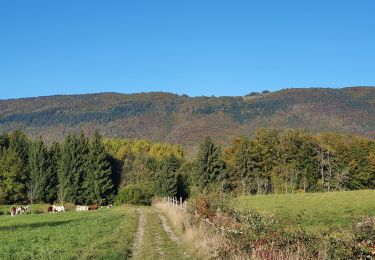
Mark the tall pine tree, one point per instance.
(12, 179)
(73, 168)
(209, 164)
(246, 163)
(166, 178)
(52, 177)
(98, 184)
(38, 172)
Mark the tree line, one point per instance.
(85, 170)
(287, 161)
(272, 161)
(76, 170)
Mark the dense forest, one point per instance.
(187, 120)
(85, 170)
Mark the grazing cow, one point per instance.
(82, 208)
(58, 208)
(94, 207)
(18, 210)
(13, 211)
(110, 206)
(24, 209)
(50, 209)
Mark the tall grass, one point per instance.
(199, 239)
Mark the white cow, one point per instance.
(18, 210)
(23, 209)
(58, 208)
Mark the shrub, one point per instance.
(38, 211)
(135, 194)
(203, 209)
(364, 237)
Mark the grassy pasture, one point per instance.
(35, 208)
(105, 234)
(314, 211)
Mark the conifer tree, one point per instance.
(38, 172)
(52, 178)
(210, 165)
(20, 143)
(98, 183)
(72, 168)
(246, 163)
(12, 179)
(166, 178)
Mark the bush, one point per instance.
(364, 238)
(135, 194)
(38, 211)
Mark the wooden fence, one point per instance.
(175, 202)
(178, 203)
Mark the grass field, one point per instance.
(104, 234)
(34, 209)
(118, 233)
(147, 233)
(314, 211)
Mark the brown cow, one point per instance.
(94, 207)
(13, 211)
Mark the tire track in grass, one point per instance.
(168, 229)
(140, 234)
(158, 240)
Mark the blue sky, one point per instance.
(196, 47)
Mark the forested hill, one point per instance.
(182, 119)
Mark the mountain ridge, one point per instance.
(164, 116)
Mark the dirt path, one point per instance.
(139, 235)
(168, 229)
(155, 238)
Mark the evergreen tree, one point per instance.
(19, 143)
(38, 172)
(183, 179)
(52, 173)
(246, 163)
(98, 184)
(72, 168)
(209, 163)
(12, 179)
(166, 178)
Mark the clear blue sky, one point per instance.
(197, 47)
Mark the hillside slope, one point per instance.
(183, 119)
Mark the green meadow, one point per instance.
(314, 211)
(105, 234)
